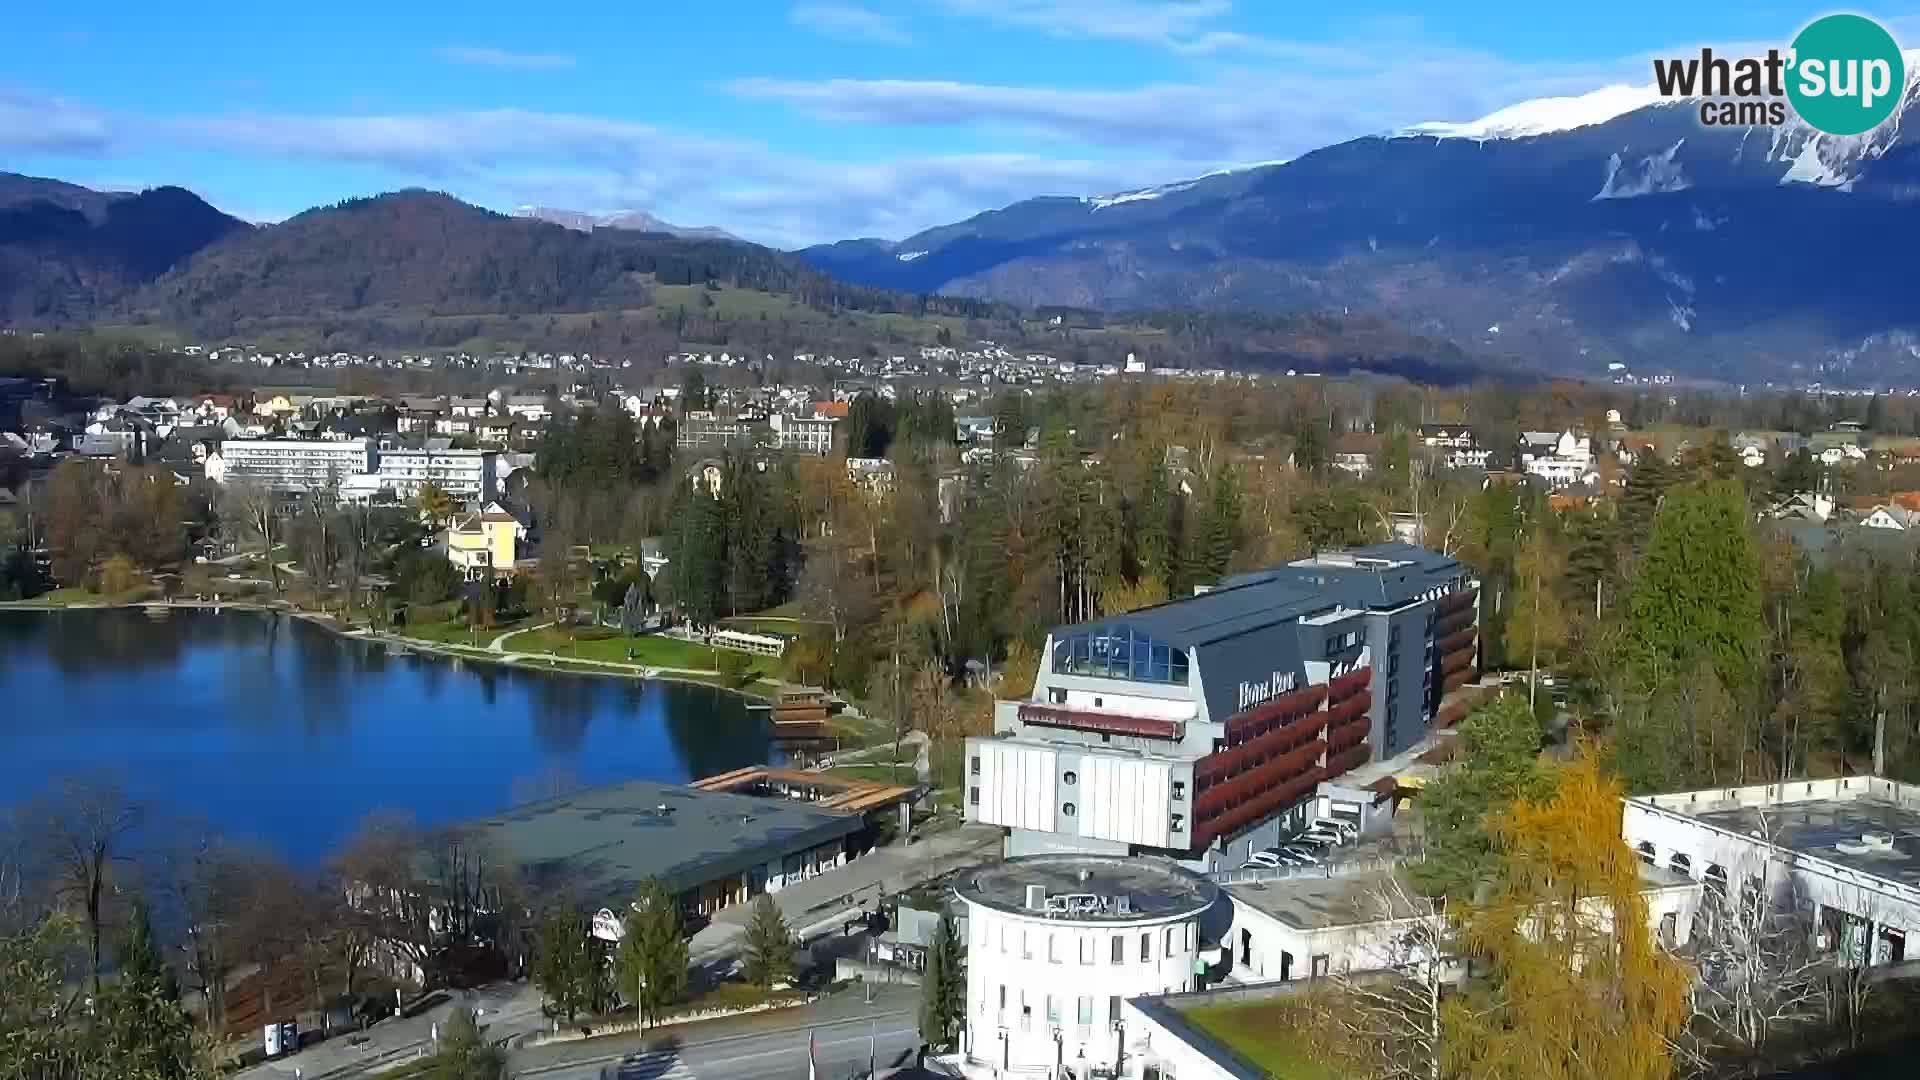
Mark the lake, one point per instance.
(281, 732)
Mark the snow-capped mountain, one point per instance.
(632, 220)
(1606, 226)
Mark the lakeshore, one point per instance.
(282, 726)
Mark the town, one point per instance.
(1208, 801)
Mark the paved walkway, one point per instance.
(823, 904)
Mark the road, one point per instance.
(841, 1050)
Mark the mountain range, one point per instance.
(1559, 236)
(1565, 233)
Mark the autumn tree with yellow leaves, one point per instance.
(1575, 987)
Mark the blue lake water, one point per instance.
(282, 733)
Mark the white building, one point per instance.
(1057, 944)
(1561, 460)
(467, 475)
(290, 464)
(806, 434)
(1849, 848)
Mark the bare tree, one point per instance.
(1758, 977)
(1390, 1013)
(200, 882)
(251, 509)
(390, 903)
(83, 825)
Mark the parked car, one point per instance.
(1265, 859)
(1328, 833)
(1310, 856)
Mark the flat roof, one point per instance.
(1153, 888)
(603, 842)
(1322, 903)
(1812, 818)
(1816, 828)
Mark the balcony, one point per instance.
(1105, 723)
(1226, 764)
(1456, 641)
(1299, 701)
(1348, 759)
(1455, 601)
(1346, 685)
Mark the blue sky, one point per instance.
(786, 122)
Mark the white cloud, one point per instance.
(481, 56)
(33, 123)
(1143, 21)
(852, 22)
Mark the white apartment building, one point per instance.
(1561, 460)
(467, 475)
(291, 464)
(1057, 944)
(805, 434)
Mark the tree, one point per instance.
(653, 951)
(434, 503)
(568, 967)
(1758, 977)
(769, 958)
(1497, 762)
(381, 864)
(1537, 624)
(1391, 1014)
(143, 1030)
(83, 826)
(247, 507)
(1698, 589)
(943, 988)
(1576, 987)
(140, 960)
(464, 1053)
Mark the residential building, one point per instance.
(1056, 944)
(1448, 436)
(1196, 728)
(1890, 516)
(467, 475)
(804, 434)
(291, 464)
(527, 407)
(706, 429)
(486, 543)
(1561, 460)
(1843, 848)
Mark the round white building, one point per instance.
(1057, 942)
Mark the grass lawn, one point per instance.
(656, 650)
(1265, 1033)
(455, 632)
(885, 773)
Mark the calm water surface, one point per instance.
(282, 732)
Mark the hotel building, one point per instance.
(1196, 729)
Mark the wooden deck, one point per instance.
(826, 790)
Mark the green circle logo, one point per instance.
(1846, 74)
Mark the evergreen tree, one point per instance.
(653, 951)
(1497, 761)
(943, 988)
(465, 1054)
(769, 958)
(568, 968)
(1698, 589)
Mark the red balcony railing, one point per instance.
(1252, 721)
(1346, 761)
(1106, 723)
(1454, 601)
(1225, 764)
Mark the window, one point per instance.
(1119, 652)
(1026, 945)
(1119, 949)
(1003, 995)
(1059, 697)
(1099, 702)
(1192, 930)
(973, 796)
(1083, 1015)
(1086, 949)
(1178, 823)
(974, 765)
(1003, 941)
(1067, 809)
(1113, 1008)
(1053, 1009)
(1146, 946)
(1320, 966)
(1070, 778)
(1170, 939)
(1179, 791)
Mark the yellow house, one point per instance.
(486, 544)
